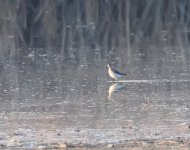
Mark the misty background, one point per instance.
(131, 34)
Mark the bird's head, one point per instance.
(108, 65)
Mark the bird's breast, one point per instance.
(111, 73)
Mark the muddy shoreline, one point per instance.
(129, 138)
(133, 145)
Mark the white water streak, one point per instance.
(152, 81)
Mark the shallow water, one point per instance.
(48, 102)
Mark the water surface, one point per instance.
(47, 101)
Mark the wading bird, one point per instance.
(114, 74)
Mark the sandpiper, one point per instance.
(114, 73)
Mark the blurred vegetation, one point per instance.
(93, 29)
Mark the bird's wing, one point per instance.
(117, 72)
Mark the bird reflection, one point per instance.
(114, 88)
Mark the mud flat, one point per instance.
(126, 137)
(132, 145)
